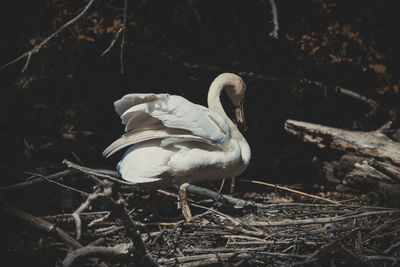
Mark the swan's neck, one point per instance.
(214, 104)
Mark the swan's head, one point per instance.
(235, 88)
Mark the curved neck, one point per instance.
(214, 104)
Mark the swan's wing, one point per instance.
(144, 163)
(168, 136)
(131, 100)
(173, 112)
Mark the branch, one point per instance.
(373, 163)
(60, 184)
(97, 194)
(42, 224)
(117, 34)
(92, 251)
(188, 65)
(290, 190)
(370, 144)
(372, 103)
(121, 55)
(35, 181)
(36, 49)
(274, 11)
(108, 174)
(323, 220)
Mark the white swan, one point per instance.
(173, 140)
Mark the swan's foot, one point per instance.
(183, 202)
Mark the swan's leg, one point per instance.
(183, 202)
(221, 186)
(233, 184)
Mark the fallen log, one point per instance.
(371, 160)
(369, 144)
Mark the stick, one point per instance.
(373, 163)
(274, 11)
(76, 215)
(371, 144)
(42, 224)
(35, 181)
(108, 174)
(327, 247)
(290, 190)
(121, 55)
(372, 103)
(60, 184)
(119, 250)
(323, 220)
(36, 49)
(122, 29)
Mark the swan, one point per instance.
(174, 141)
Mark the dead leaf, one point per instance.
(378, 68)
(33, 41)
(396, 88)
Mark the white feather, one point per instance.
(172, 139)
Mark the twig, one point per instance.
(76, 215)
(35, 181)
(323, 220)
(60, 184)
(379, 229)
(122, 29)
(249, 74)
(373, 163)
(326, 248)
(393, 259)
(42, 224)
(121, 55)
(225, 199)
(235, 249)
(290, 190)
(108, 174)
(36, 49)
(187, 259)
(98, 220)
(372, 103)
(274, 11)
(223, 215)
(119, 250)
(392, 247)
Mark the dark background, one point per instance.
(61, 107)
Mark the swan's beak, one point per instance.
(239, 114)
(241, 123)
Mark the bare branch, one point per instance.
(60, 184)
(121, 55)
(290, 190)
(372, 103)
(122, 29)
(379, 167)
(113, 41)
(37, 181)
(92, 251)
(42, 224)
(274, 11)
(324, 219)
(36, 49)
(97, 194)
(108, 174)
